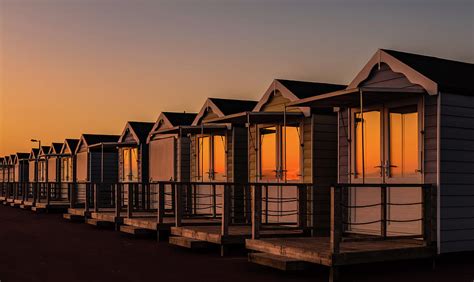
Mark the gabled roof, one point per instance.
(294, 90)
(44, 150)
(22, 156)
(91, 139)
(139, 130)
(34, 154)
(433, 74)
(2, 159)
(55, 148)
(71, 144)
(11, 160)
(303, 89)
(223, 107)
(179, 119)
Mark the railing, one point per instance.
(342, 207)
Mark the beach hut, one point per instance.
(10, 179)
(132, 175)
(96, 163)
(168, 160)
(3, 179)
(20, 166)
(288, 150)
(218, 169)
(405, 164)
(31, 187)
(43, 164)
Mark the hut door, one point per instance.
(403, 165)
(386, 149)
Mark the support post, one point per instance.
(383, 211)
(48, 193)
(302, 206)
(161, 203)
(178, 204)
(256, 210)
(72, 198)
(118, 199)
(226, 207)
(129, 200)
(86, 205)
(335, 234)
(96, 196)
(427, 213)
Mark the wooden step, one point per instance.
(38, 210)
(100, 223)
(188, 242)
(136, 231)
(25, 207)
(278, 262)
(73, 217)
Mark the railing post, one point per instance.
(86, 204)
(72, 198)
(147, 186)
(226, 207)
(161, 203)
(335, 234)
(178, 204)
(302, 206)
(33, 192)
(97, 188)
(48, 193)
(427, 194)
(266, 203)
(118, 199)
(214, 201)
(129, 200)
(383, 211)
(256, 210)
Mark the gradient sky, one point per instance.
(80, 66)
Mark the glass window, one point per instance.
(134, 164)
(130, 164)
(404, 155)
(291, 158)
(367, 132)
(219, 157)
(204, 165)
(268, 153)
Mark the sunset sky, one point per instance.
(81, 66)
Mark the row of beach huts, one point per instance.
(381, 169)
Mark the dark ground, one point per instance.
(47, 248)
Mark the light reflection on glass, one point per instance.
(371, 140)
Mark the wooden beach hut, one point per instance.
(52, 195)
(2, 179)
(168, 160)
(67, 155)
(132, 188)
(10, 179)
(31, 188)
(285, 146)
(218, 168)
(96, 163)
(404, 165)
(20, 167)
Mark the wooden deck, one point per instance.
(109, 215)
(149, 221)
(317, 250)
(237, 233)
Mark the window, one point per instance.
(66, 169)
(404, 155)
(211, 157)
(280, 153)
(130, 164)
(367, 132)
(42, 171)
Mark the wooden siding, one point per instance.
(238, 152)
(54, 169)
(110, 166)
(276, 103)
(183, 155)
(456, 173)
(323, 167)
(344, 148)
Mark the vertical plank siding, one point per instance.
(457, 173)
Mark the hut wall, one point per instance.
(110, 167)
(162, 158)
(32, 175)
(184, 159)
(82, 165)
(53, 169)
(456, 193)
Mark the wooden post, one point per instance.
(383, 211)
(161, 203)
(266, 203)
(427, 213)
(214, 201)
(302, 206)
(129, 200)
(72, 198)
(48, 193)
(96, 191)
(178, 204)
(143, 194)
(148, 195)
(226, 209)
(256, 210)
(335, 234)
(86, 205)
(118, 199)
